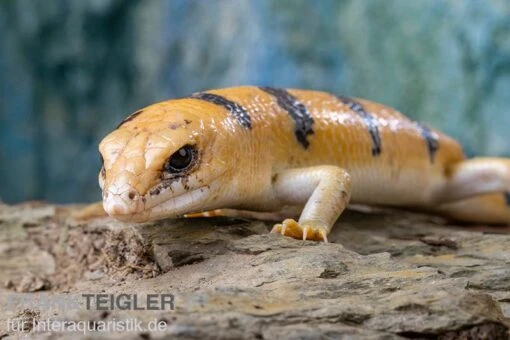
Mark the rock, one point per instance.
(26, 319)
(395, 275)
(32, 283)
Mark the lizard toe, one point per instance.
(291, 228)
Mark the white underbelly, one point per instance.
(384, 187)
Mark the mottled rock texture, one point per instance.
(70, 70)
(398, 275)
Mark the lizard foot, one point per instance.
(290, 227)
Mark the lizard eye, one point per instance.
(181, 160)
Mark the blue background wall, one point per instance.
(71, 69)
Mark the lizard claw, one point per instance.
(305, 232)
(290, 227)
(324, 235)
(284, 229)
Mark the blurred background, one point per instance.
(70, 70)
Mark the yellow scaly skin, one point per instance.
(272, 153)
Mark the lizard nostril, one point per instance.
(131, 195)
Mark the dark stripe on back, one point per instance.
(432, 140)
(240, 113)
(370, 122)
(507, 198)
(302, 119)
(129, 118)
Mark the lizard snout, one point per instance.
(125, 200)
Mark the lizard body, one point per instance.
(268, 152)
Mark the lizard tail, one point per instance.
(484, 209)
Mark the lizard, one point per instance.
(279, 154)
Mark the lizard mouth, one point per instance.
(173, 207)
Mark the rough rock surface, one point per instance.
(397, 275)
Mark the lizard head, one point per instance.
(162, 161)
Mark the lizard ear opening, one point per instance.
(181, 160)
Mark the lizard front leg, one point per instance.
(325, 192)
